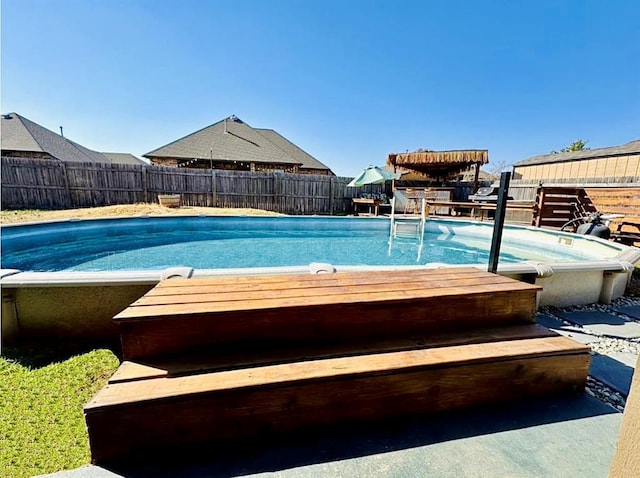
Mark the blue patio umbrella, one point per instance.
(372, 175)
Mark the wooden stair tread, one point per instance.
(281, 299)
(344, 368)
(302, 281)
(338, 278)
(248, 356)
(201, 297)
(383, 291)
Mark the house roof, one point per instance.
(124, 158)
(229, 140)
(632, 147)
(21, 134)
(233, 140)
(294, 151)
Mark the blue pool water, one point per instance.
(238, 242)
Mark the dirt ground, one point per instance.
(28, 215)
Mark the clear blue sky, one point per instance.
(349, 81)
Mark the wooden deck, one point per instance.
(231, 359)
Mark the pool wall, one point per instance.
(73, 313)
(81, 305)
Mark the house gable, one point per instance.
(233, 144)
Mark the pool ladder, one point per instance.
(408, 227)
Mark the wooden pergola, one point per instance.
(439, 164)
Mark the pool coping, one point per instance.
(12, 278)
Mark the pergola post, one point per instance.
(475, 179)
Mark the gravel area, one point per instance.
(605, 394)
(605, 345)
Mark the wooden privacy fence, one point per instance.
(624, 200)
(45, 184)
(48, 184)
(556, 206)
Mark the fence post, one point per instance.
(67, 188)
(277, 207)
(214, 195)
(107, 195)
(331, 195)
(537, 208)
(145, 190)
(215, 189)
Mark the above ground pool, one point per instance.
(68, 279)
(156, 243)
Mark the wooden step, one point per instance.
(151, 414)
(181, 315)
(244, 357)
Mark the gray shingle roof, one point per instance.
(294, 151)
(632, 147)
(21, 134)
(240, 142)
(125, 158)
(15, 135)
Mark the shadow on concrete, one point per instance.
(603, 323)
(576, 333)
(611, 372)
(592, 317)
(348, 442)
(630, 310)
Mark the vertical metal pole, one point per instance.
(498, 223)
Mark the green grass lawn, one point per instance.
(42, 393)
